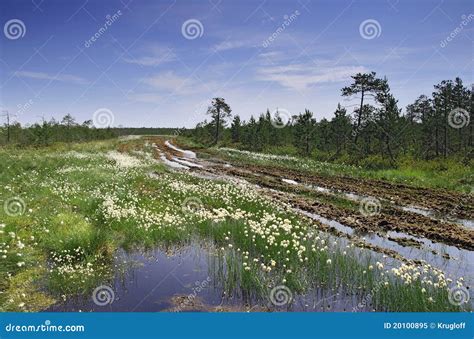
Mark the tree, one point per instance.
(443, 104)
(340, 127)
(304, 131)
(420, 116)
(387, 119)
(219, 111)
(235, 129)
(7, 115)
(365, 84)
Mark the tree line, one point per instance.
(47, 132)
(376, 131)
(68, 130)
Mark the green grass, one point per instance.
(448, 174)
(79, 204)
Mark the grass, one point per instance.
(449, 174)
(68, 208)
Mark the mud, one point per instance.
(298, 190)
(186, 303)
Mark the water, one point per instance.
(189, 279)
(152, 279)
(458, 263)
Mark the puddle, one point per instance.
(172, 164)
(412, 209)
(434, 215)
(289, 181)
(186, 154)
(460, 262)
(187, 163)
(151, 280)
(190, 280)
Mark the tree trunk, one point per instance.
(359, 118)
(217, 125)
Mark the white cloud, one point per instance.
(231, 44)
(303, 76)
(158, 55)
(58, 77)
(170, 82)
(145, 97)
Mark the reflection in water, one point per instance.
(192, 279)
(454, 261)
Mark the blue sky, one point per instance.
(148, 73)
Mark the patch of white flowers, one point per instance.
(123, 160)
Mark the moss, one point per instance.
(68, 231)
(23, 293)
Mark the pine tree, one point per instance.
(219, 111)
(236, 129)
(367, 85)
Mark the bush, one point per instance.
(375, 162)
(69, 231)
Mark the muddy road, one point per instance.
(406, 223)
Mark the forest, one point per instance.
(368, 128)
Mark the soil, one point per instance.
(390, 217)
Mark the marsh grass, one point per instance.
(82, 203)
(449, 174)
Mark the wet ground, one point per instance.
(412, 225)
(188, 280)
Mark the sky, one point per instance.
(159, 63)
